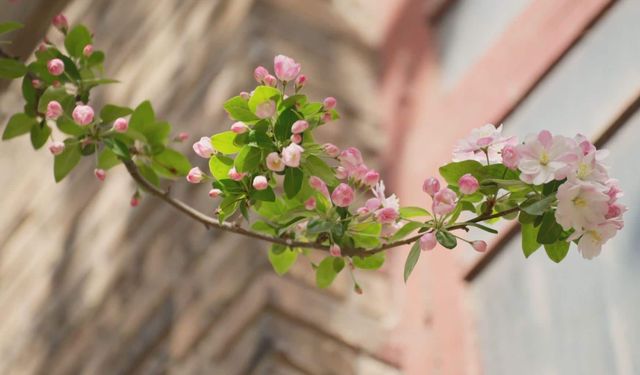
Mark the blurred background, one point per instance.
(89, 285)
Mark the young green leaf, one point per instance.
(327, 271)
(283, 124)
(453, 171)
(529, 238)
(557, 250)
(371, 262)
(10, 69)
(550, 230)
(19, 124)
(238, 109)
(107, 159)
(39, 134)
(314, 166)
(110, 112)
(263, 227)
(219, 165)
(6, 27)
(282, 261)
(68, 126)
(411, 212)
(262, 94)
(266, 195)
(171, 163)
(538, 207)
(77, 38)
(224, 142)
(446, 239)
(366, 234)
(248, 159)
(406, 229)
(149, 174)
(66, 161)
(412, 259)
(292, 181)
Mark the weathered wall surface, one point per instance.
(89, 285)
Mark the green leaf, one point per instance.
(412, 259)
(453, 171)
(529, 239)
(171, 163)
(538, 207)
(262, 94)
(550, 230)
(327, 271)
(409, 212)
(224, 142)
(266, 195)
(66, 161)
(110, 112)
(6, 27)
(142, 117)
(366, 235)
(311, 109)
(219, 165)
(282, 261)
(483, 227)
(39, 134)
(557, 250)
(118, 147)
(283, 124)
(371, 262)
(77, 38)
(314, 166)
(18, 124)
(107, 159)
(68, 126)
(238, 109)
(248, 159)
(318, 226)
(446, 239)
(228, 206)
(58, 94)
(263, 227)
(11, 69)
(406, 229)
(292, 181)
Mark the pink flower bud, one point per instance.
(301, 80)
(182, 136)
(341, 173)
(100, 174)
(245, 95)
(55, 67)
(350, 158)
(479, 246)
(359, 172)
(371, 177)
(296, 138)
(299, 126)
(342, 195)
(239, 127)
(215, 193)
(203, 148)
(510, 156)
(291, 155)
(56, 147)
(54, 110)
(372, 204)
(444, 201)
(387, 215)
(195, 175)
(327, 117)
(428, 241)
(260, 183)
(60, 22)
(121, 125)
(274, 162)
(317, 184)
(335, 250)
(36, 83)
(270, 80)
(135, 201)
(266, 109)
(235, 175)
(431, 186)
(83, 115)
(260, 73)
(329, 103)
(468, 184)
(286, 68)
(331, 149)
(310, 204)
(87, 50)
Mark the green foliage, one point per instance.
(263, 94)
(248, 159)
(550, 230)
(219, 165)
(66, 161)
(7, 27)
(110, 112)
(238, 109)
(369, 262)
(411, 212)
(224, 142)
(39, 134)
(171, 164)
(292, 181)
(11, 69)
(327, 271)
(529, 239)
(446, 239)
(282, 258)
(557, 251)
(453, 171)
(18, 124)
(411, 261)
(75, 41)
(366, 234)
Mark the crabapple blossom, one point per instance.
(428, 241)
(274, 162)
(331, 150)
(296, 138)
(54, 110)
(341, 173)
(510, 156)
(195, 175)
(342, 195)
(392, 201)
(266, 109)
(329, 103)
(260, 183)
(350, 159)
(320, 186)
(87, 50)
(204, 148)
(135, 201)
(245, 95)
(431, 186)
(182, 136)
(60, 22)
(592, 239)
(387, 215)
(545, 157)
(479, 246)
(371, 177)
(55, 67)
(327, 117)
(83, 115)
(581, 205)
(235, 175)
(100, 174)
(56, 147)
(215, 193)
(286, 68)
(270, 80)
(120, 125)
(335, 250)
(310, 204)
(260, 73)
(301, 81)
(444, 201)
(239, 127)
(468, 184)
(483, 145)
(299, 126)
(291, 155)
(36, 83)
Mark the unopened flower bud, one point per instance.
(235, 175)
(296, 138)
(428, 241)
(260, 73)
(301, 81)
(195, 175)
(121, 125)
(341, 173)
(431, 186)
(510, 156)
(60, 22)
(83, 115)
(100, 174)
(310, 204)
(291, 155)
(327, 117)
(55, 67)
(135, 201)
(56, 147)
(371, 177)
(87, 50)
(245, 95)
(299, 126)
(182, 136)
(329, 103)
(260, 182)
(342, 195)
(270, 80)
(203, 148)
(239, 127)
(335, 250)
(468, 184)
(54, 110)
(215, 193)
(479, 246)
(331, 150)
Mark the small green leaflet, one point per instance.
(412, 259)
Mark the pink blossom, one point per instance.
(299, 126)
(245, 95)
(327, 117)
(335, 250)
(260, 73)
(428, 241)
(350, 158)
(341, 173)
(613, 190)
(359, 172)
(266, 109)
(121, 125)
(331, 149)
(591, 239)
(215, 193)
(182, 136)
(387, 215)
(379, 192)
(468, 184)
(296, 138)
(239, 127)
(301, 81)
(588, 166)
(329, 103)
(274, 162)
(195, 175)
(389, 230)
(60, 22)
(54, 110)
(482, 144)
(291, 155)
(317, 184)
(55, 67)
(235, 175)
(87, 50)
(581, 205)
(544, 158)
(56, 147)
(584, 144)
(342, 195)
(310, 204)
(260, 182)
(83, 115)
(372, 204)
(36, 83)
(479, 246)
(286, 68)
(204, 148)
(431, 186)
(270, 80)
(510, 156)
(371, 177)
(135, 201)
(100, 174)
(444, 201)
